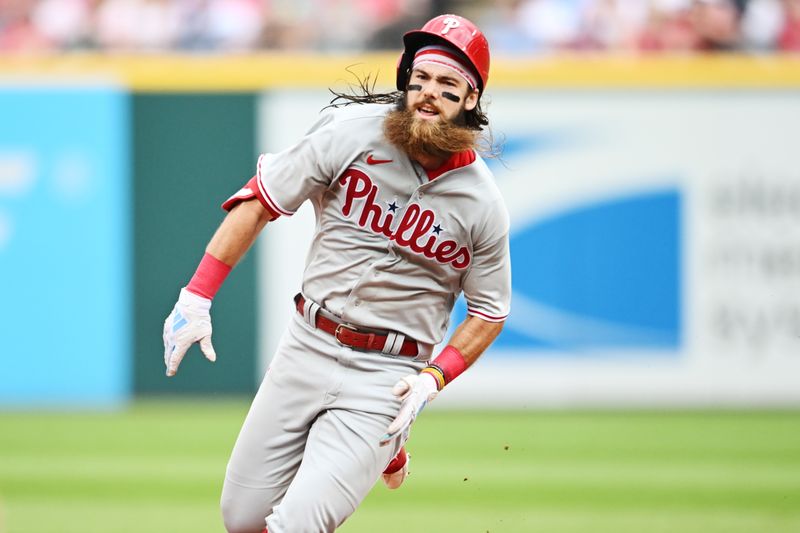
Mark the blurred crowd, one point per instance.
(513, 26)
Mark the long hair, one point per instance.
(363, 92)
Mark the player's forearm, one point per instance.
(473, 336)
(231, 241)
(238, 232)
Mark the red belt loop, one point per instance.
(349, 335)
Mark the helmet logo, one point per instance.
(449, 24)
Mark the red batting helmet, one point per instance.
(453, 31)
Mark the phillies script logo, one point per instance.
(414, 229)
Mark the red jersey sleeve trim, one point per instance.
(248, 192)
(268, 201)
(486, 316)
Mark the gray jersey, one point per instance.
(393, 249)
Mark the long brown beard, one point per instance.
(427, 137)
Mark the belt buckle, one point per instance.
(341, 326)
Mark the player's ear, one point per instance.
(471, 100)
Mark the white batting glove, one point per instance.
(414, 391)
(188, 323)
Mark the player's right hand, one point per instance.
(188, 323)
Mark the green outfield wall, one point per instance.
(190, 152)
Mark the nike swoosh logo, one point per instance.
(372, 161)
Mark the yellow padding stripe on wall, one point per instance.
(254, 72)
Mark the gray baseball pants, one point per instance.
(308, 452)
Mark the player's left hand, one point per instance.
(414, 392)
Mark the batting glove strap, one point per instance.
(194, 302)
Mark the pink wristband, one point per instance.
(451, 364)
(208, 277)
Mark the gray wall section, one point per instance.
(190, 152)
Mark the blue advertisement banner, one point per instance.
(65, 302)
(606, 275)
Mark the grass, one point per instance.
(158, 467)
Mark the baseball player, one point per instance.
(408, 217)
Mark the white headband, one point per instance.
(443, 56)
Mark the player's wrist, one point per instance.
(429, 381)
(194, 301)
(436, 373)
(446, 367)
(209, 276)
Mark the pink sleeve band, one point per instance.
(451, 363)
(208, 277)
(249, 191)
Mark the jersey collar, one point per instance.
(457, 160)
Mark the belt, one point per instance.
(352, 336)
